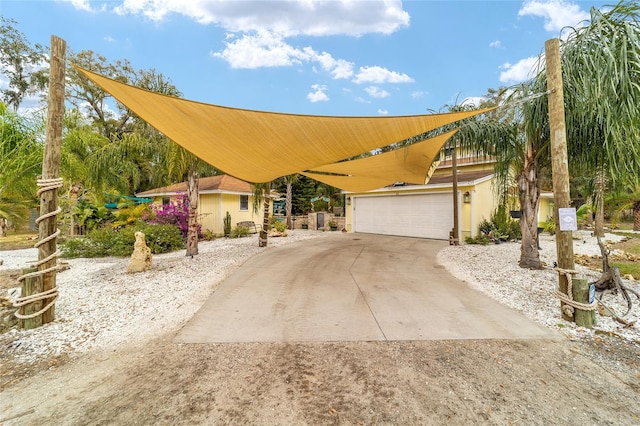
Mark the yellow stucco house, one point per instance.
(218, 195)
(426, 210)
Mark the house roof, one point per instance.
(462, 177)
(219, 183)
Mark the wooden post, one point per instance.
(51, 167)
(580, 289)
(30, 286)
(454, 171)
(559, 162)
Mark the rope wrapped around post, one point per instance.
(571, 305)
(45, 185)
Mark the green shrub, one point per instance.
(239, 231)
(209, 235)
(280, 226)
(163, 238)
(479, 239)
(109, 241)
(485, 227)
(550, 226)
(501, 226)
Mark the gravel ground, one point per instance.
(99, 302)
(88, 367)
(494, 270)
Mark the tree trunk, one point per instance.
(289, 206)
(529, 200)
(74, 191)
(3, 227)
(192, 226)
(600, 186)
(636, 216)
(262, 242)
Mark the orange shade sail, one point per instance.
(258, 146)
(410, 164)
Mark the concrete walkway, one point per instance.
(350, 287)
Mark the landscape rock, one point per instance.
(141, 256)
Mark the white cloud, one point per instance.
(263, 49)
(496, 44)
(109, 39)
(382, 111)
(319, 94)
(516, 73)
(418, 94)
(308, 17)
(376, 74)
(266, 49)
(339, 68)
(556, 13)
(376, 92)
(85, 5)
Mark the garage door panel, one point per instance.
(417, 215)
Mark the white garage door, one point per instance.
(416, 215)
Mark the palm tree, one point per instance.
(289, 181)
(79, 143)
(262, 195)
(626, 197)
(176, 164)
(20, 163)
(601, 71)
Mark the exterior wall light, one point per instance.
(466, 197)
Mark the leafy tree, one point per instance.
(79, 145)
(23, 65)
(108, 117)
(20, 163)
(601, 77)
(625, 197)
(301, 194)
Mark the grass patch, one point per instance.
(632, 245)
(628, 268)
(18, 240)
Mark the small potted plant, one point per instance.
(333, 225)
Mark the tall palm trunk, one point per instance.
(264, 231)
(529, 201)
(74, 194)
(192, 224)
(636, 216)
(289, 202)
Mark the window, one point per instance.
(244, 202)
(166, 200)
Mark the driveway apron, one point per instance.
(352, 287)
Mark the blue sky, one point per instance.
(363, 58)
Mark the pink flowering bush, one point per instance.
(175, 214)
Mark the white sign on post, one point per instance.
(568, 220)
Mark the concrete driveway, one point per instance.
(350, 287)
